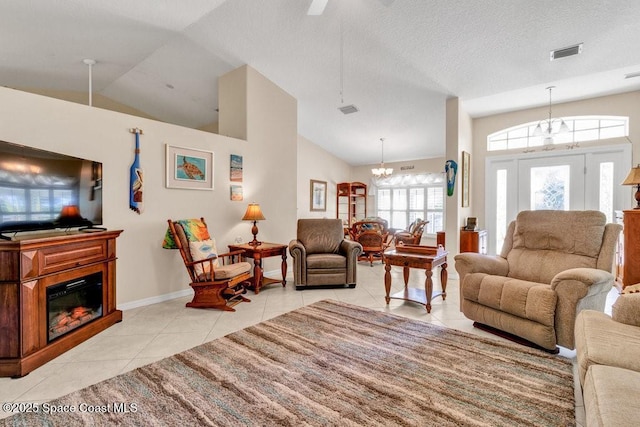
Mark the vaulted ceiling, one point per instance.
(397, 61)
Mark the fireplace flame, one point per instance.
(65, 321)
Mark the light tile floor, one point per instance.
(153, 332)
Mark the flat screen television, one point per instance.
(42, 190)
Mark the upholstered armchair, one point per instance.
(322, 256)
(553, 264)
(412, 235)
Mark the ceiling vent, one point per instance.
(566, 51)
(348, 109)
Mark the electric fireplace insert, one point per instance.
(73, 304)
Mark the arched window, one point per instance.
(580, 129)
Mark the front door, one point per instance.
(568, 180)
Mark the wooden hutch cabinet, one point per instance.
(473, 241)
(55, 292)
(351, 205)
(628, 250)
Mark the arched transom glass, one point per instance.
(580, 129)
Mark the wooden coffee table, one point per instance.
(263, 250)
(415, 256)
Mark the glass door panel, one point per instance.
(550, 187)
(555, 183)
(502, 199)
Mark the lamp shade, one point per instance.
(563, 127)
(70, 212)
(538, 130)
(253, 213)
(634, 177)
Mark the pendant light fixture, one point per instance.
(382, 172)
(548, 128)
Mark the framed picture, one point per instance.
(466, 166)
(189, 168)
(318, 195)
(236, 168)
(236, 193)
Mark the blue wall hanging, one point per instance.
(136, 187)
(451, 170)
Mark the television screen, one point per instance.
(44, 190)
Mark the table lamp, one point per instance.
(70, 215)
(254, 214)
(70, 212)
(634, 179)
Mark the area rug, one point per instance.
(332, 363)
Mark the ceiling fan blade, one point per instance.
(317, 7)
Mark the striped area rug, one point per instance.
(333, 363)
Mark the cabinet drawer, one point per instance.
(58, 258)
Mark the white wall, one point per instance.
(144, 269)
(253, 107)
(318, 164)
(272, 136)
(458, 139)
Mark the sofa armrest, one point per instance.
(350, 249)
(578, 289)
(626, 309)
(297, 248)
(581, 282)
(299, 255)
(471, 262)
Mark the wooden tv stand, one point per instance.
(31, 264)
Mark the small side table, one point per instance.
(416, 256)
(257, 253)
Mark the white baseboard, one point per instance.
(154, 300)
(173, 295)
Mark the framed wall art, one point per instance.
(318, 195)
(189, 168)
(466, 167)
(235, 174)
(236, 193)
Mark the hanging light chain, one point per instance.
(382, 172)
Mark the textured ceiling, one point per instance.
(401, 59)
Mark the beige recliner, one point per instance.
(553, 264)
(322, 256)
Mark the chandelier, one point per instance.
(382, 172)
(548, 128)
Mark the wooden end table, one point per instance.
(257, 253)
(424, 257)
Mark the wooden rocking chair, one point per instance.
(215, 284)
